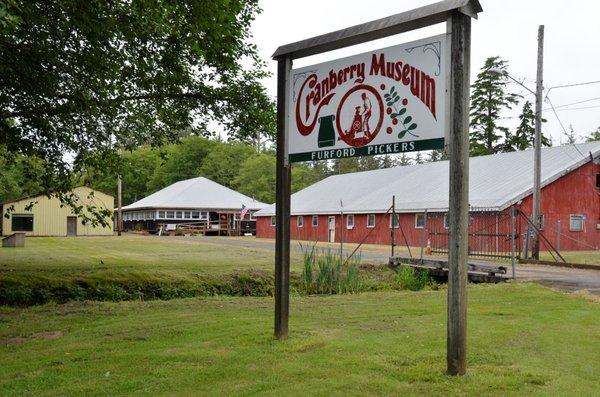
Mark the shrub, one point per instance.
(409, 278)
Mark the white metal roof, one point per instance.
(495, 182)
(200, 193)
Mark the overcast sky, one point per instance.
(507, 28)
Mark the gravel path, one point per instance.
(564, 279)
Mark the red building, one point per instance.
(570, 203)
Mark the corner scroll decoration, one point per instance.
(435, 47)
(297, 77)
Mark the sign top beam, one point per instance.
(379, 28)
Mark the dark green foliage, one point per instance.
(489, 97)
(82, 80)
(412, 279)
(35, 290)
(524, 136)
(594, 136)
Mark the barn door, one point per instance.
(71, 226)
(331, 228)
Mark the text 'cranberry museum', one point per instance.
(386, 101)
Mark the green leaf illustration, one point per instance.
(412, 126)
(407, 119)
(402, 111)
(394, 115)
(393, 90)
(401, 134)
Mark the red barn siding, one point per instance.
(574, 193)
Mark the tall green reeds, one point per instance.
(325, 272)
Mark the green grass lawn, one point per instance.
(522, 339)
(132, 253)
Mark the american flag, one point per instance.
(243, 212)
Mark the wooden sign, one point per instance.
(386, 101)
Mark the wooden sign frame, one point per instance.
(457, 14)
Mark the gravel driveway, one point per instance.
(564, 279)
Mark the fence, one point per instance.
(490, 233)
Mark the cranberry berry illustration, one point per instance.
(398, 115)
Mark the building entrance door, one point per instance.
(71, 226)
(331, 228)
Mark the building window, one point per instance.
(300, 221)
(272, 221)
(576, 223)
(187, 215)
(350, 221)
(419, 221)
(542, 221)
(315, 220)
(170, 214)
(394, 221)
(161, 214)
(195, 214)
(22, 223)
(178, 214)
(446, 222)
(598, 181)
(371, 220)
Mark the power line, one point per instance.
(578, 102)
(561, 124)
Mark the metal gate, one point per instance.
(490, 233)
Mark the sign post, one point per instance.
(409, 97)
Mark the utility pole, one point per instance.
(537, 145)
(119, 204)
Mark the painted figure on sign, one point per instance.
(366, 115)
(356, 126)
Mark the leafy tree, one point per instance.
(419, 158)
(344, 166)
(256, 177)
(488, 98)
(388, 161)
(436, 155)
(404, 160)
(594, 136)
(181, 161)
(368, 163)
(524, 136)
(304, 176)
(81, 80)
(222, 164)
(20, 177)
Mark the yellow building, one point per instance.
(48, 218)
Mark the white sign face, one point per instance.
(386, 101)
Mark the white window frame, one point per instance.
(542, 221)
(315, 218)
(162, 215)
(300, 221)
(446, 221)
(417, 221)
(170, 217)
(350, 225)
(273, 221)
(397, 216)
(374, 221)
(581, 218)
